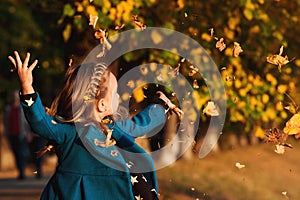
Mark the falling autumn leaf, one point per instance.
(230, 78)
(139, 23)
(195, 84)
(278, 60)
(220, 44)
(44, 150)
(211, 30)
(284, 193)
(279, 138)
(104, 144)
(130, 84)
(70, 62)
(239, 165)
(160, 78)
(93, 20)
(171, 106)
(117, 28)
(279, 149)
(174, 72)
(101, 35)
(237, 49)
(210, 109)
(144, 70)
(292, 126)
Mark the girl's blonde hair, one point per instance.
(83, 84)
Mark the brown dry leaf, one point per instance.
(279, 149)
(159, 77)
(274, 135)
(237, 49)
(220, 45)
(144, 70)
(117, 28)
(235, 100)
(239, 165)
(130, 84)
(44, 150)
(278, 60)
(278, 137)
(211, 30)
(104, 144)
(93, 20)
(230, 78)
(102, 36)
(175, 72)
(211, 109)
(193, 70)
(284, 193)
(139, 23)
(70, 62)
(195, 84)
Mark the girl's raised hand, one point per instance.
(173, 107)
(24, 72)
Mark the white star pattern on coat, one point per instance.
(29, 102)
(133, 180)
(143, 177)
(138, 197)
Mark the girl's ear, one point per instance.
(101, 105)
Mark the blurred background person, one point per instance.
(35, 144)
(16, 129)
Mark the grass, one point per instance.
(266, 175)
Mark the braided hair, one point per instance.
(82, 85)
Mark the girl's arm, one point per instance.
(147, 122)
(150, 120)
(41, 123)
(34, 111)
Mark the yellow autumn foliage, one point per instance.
(138, 95)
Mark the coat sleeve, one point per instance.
(43, 124)
(148, 122)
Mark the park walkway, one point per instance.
(27, 189)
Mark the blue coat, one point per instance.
(86, 171)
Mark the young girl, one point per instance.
(93, 162)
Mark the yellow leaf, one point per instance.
(248, 14)
(79, 6)
(153, 66)
(237, 83)
(180, 4)
(207, 37)
(261, 1)
(292, 126)
(138, 95)
(233, 22)
(91, 10)
(67, 32)
(265, 98)
(156, 37)
(255, 29)
(282, 88)
(125, 96)
(260, 133)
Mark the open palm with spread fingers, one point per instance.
(24, 71)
